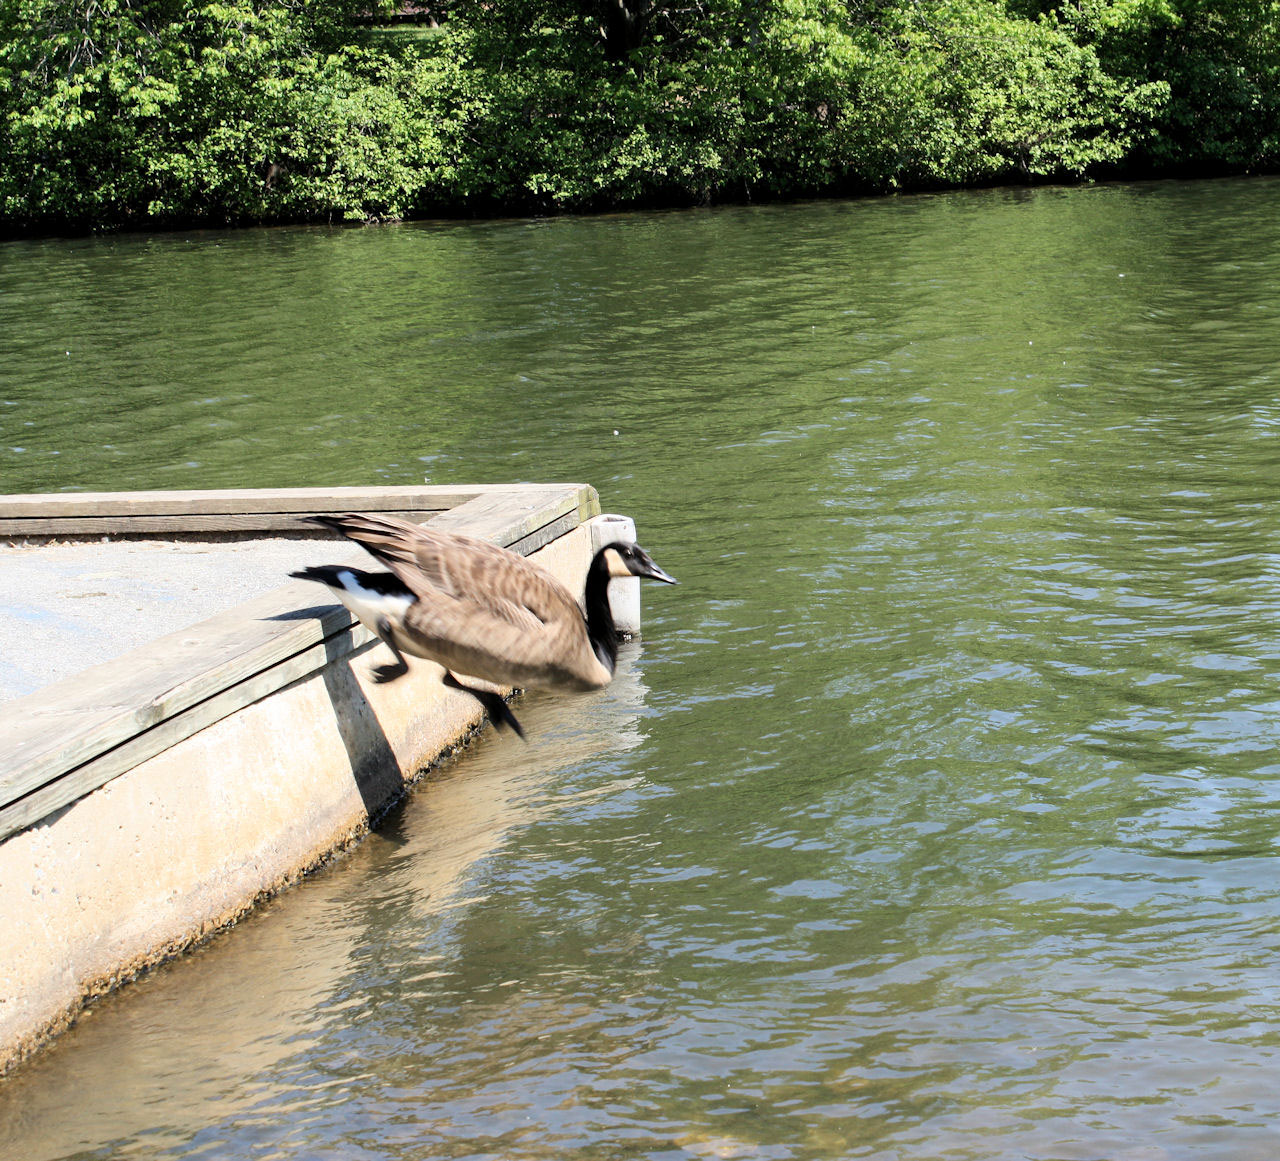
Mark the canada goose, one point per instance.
(480, 610)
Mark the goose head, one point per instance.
(620, 559)
(626, 559)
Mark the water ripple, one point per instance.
(935, 816)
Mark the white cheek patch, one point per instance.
(617, 566)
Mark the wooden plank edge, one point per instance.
(190, 526)
(110, 763)
(233, 510)
(215, 501)
(58, 728)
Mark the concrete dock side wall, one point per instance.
(179, 843)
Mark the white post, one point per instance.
(624, 592)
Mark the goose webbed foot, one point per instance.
(494, 705)
(398, 668)
(384, 673)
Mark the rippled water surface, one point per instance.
(936, 817)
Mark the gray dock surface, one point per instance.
(68, 606)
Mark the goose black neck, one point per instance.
(600, 627)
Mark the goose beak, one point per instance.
(643, 566)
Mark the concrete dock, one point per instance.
(182, 734)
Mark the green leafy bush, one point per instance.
(132, 111)
(153, 112)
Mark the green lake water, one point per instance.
(937, 814)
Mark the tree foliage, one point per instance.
(1222, 62)
(163, 111)
(160, 110)
(784, 97)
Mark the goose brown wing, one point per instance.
(481, 609)
(431, 561)
(499, 641)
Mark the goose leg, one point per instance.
(384, 673)
(497, 709)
